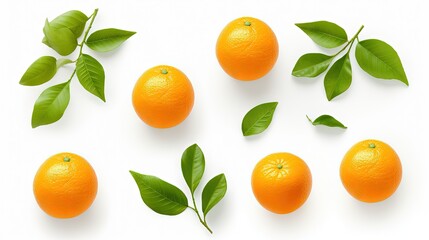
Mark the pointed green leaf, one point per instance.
(91, 75)
(213, 192)
(324, 33)
(74, 20)
(160, 196)
(193, 165)
(39, 72)
(51, 105)
(62, 40)
(327, 121)
(106, 40)
(339, 77)
(63, 61)
(258, 118)
(311, 65)
(380, 60)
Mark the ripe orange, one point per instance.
(371, 171)
(163, 97)
(281, 182)
(65, 185)
(247, 49)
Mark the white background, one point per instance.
(183, 34)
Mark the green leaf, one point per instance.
(160, 196)
(325, 34)
(39, 72)
(91, 75)
(213, 192)
(258, 118)
(193, 165)
(327, 121)
(106, 40)
(74, 20)
(339, 77)
(51, 105)
(62, 40)
(311, 65)
(62, 61)
(380, 60)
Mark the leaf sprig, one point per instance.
(374, 56)
(167, 199)
(62, 34)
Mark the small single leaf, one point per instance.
(327, 121)
(324, 33)
(258, 118)
(106, 40)
(193, 165)
(39, 72)
(63, 61)
(62, 40)
(74, 20)
(380, 60)
(311, 65)
(213, 192)
(91, 75)
(160, 196)
(51, 105)
(339, 77)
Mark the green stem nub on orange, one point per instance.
(164, 71)
(279, 166)
(247, 23)
(372, 145)
(66, 159)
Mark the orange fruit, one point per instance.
(371, 171)
(163, 97)
(281, 182)
(65, 185)
(247, 49)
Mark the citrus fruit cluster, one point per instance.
(370, 171)
(163, 97)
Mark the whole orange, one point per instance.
(247, 49)
(371, 171)
(281, 182)
(163, 97)
(65, 185)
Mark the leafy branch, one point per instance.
(62, 34)
(165, 198)
(375, 57)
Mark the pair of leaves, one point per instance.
(327, 120)
(258, 119)
(375, 57)
(61, 34)
(193, 166)
(52, 103)
(165, 198)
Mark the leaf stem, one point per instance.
(74, 72)
(350, 42)
(199, 216)
(94, 14)
(81, 44)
